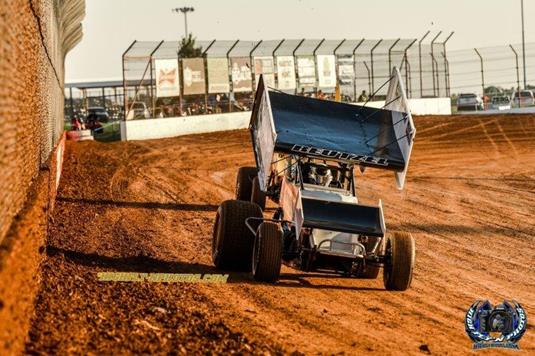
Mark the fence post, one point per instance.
(433, 63)
(275, 67)
(230, 74)
(447, 64)
(206, 81)
(316, 64)
(253, 67)
(517, 75)
(482, 71)
(152, 98)
(369, 78)
(436, 81)
(125, 96)
(296, 67)
(355, 71)
(336, 66)
(390, 56)
(420, 62)
(371, 63)
(447, 72)
(408, 80)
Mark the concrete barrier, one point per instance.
(186, 125)
(422, 106)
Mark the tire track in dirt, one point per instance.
(467, 203)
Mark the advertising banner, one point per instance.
(193, 72)
(285, 72)
(241, 74)
(346, 70)
(326, 71)
(264, 66)
(346, 75)
(306, 70)
(167, 81)
(218, 81)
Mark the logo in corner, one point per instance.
(501, 326)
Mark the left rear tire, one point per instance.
(232, 241)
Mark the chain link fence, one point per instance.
(224, 77)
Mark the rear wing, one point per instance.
(308, 127)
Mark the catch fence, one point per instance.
(224, 77)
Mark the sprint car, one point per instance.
(306, 152)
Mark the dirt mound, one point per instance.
(149, 206)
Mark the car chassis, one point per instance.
(306, 152)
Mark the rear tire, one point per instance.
(232, 241)
(400, 256)
(267, 253)
(244, 183)
(257, 195)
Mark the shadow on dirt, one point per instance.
(147, 264)
(141, 205)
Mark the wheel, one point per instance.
(399, 263)
(232, 241)
(267, 252)
(372, 271)
(257, 195)
(244, 183)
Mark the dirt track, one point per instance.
(149, 206)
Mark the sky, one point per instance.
(111, 25)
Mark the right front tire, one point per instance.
(400, 256)
(232, 241)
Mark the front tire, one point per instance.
(267, 253)
(232, 241)
(399, 264)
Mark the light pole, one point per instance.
(523, 43)
(185, 11)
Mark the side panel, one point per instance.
(291, 204)
(263, 134)
(404, 129)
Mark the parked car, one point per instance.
(500, 102)
(469, 101)
(524, 98)
(97, 114)
(138, 110)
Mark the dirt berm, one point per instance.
(149, 206)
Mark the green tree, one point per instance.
(188, 49)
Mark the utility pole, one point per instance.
(523, 43)
(185, 11)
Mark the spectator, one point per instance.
(362, 97)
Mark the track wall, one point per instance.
(35, 36)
